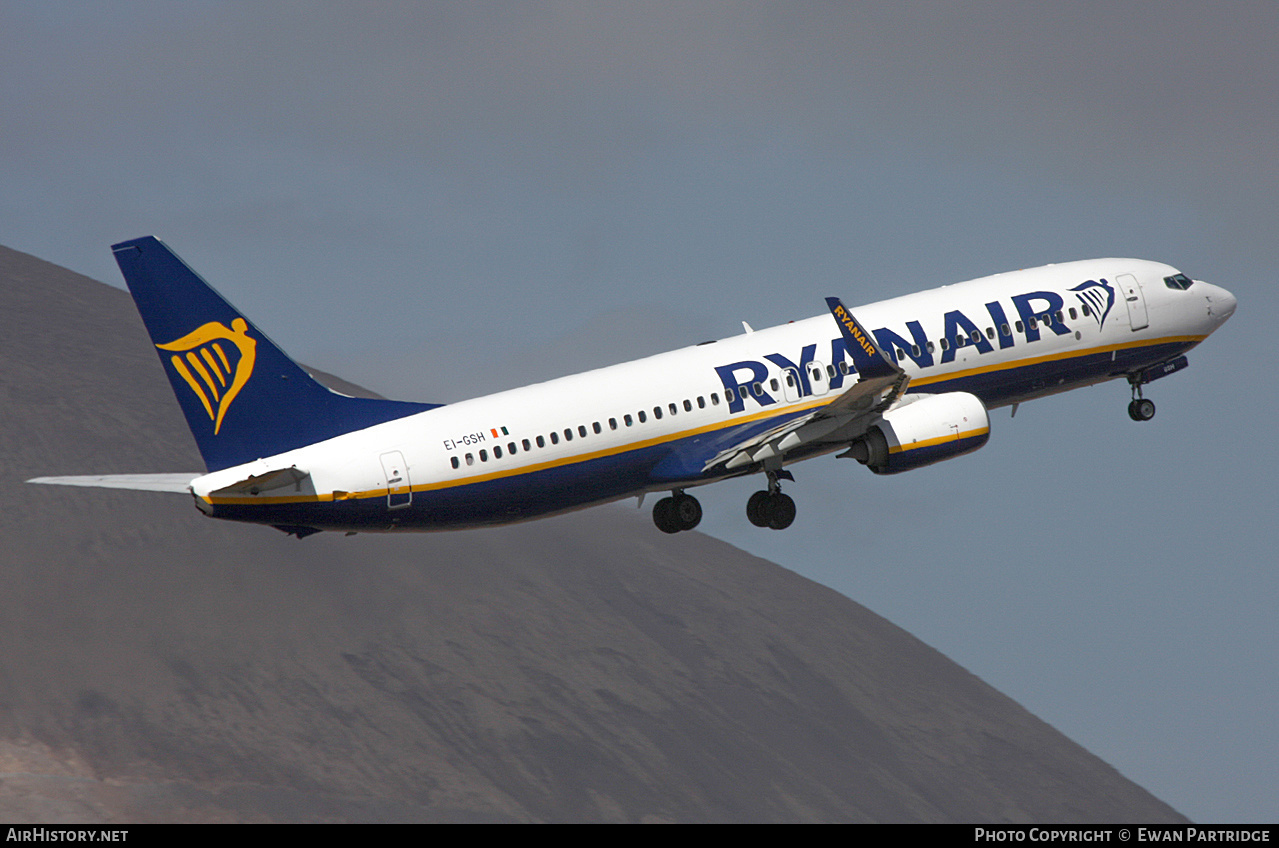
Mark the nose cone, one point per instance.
(1221, 303)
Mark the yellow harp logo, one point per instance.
(201, 359)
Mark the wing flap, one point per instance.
(880, 383)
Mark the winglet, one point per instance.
(869, 360)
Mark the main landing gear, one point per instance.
(676, 513)
(768, 508)
(1140, 409)
(771, 508)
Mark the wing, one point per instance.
(880, 383)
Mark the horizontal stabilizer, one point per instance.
(138, 482)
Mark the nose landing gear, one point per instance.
(1141, 408)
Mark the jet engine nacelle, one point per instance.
(922, 430)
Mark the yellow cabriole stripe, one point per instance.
(528, 469)
(1052, 357)
(204, 373)
(381, 492)
(182, 370)
(222, 356)
(213, 366)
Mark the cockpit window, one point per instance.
(1178, 281)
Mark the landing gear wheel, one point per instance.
(687, 511)
(664, 515)
(676, 513)
(770, 509)
(757, 509)
(781, 511)
(1141, 409)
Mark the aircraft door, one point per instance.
(791, 386)
(817, 379)
(399, 492)
(1130, 289)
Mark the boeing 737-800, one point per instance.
(894, 385)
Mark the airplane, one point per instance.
(281, 449)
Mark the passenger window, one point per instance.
(914, 350)
(990, 332)
(555, 438)
(1019, 326)
(627, 420)
(541, 443)
(612, 423)
(674, 409)
(945, 345)
(701, 402)
(568, 434)
(497, 452)
(773, 384)
(527, 446)
(714, 399)
(470, 459)
(657, 413)
(931, 348)
(1060, 319)
(742, 391)
(1086, 310)
(642, 416)
(1003, 328)
(453, 461)
(510, 448)
(975, 336)
(581, 430)
(484, 456)
(830, 371)
(843, 366)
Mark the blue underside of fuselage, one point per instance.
(668, 465)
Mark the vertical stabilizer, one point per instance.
(243, 397)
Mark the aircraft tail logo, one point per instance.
(1098, 297)
(201, 360)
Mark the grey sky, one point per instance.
(439, 200)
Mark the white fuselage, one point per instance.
(651, 424)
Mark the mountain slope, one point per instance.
(157, 665)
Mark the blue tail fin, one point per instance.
(243, 397)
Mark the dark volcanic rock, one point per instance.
(157, 665)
